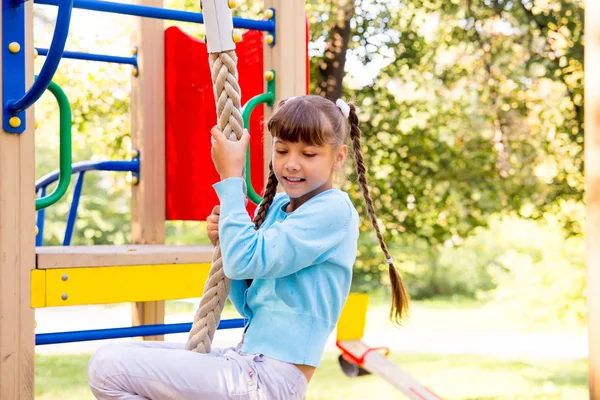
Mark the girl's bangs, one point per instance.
(299, 121)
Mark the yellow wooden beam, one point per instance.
(38, 288)
(104, 285)
(351, 325)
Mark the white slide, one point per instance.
(378, 364)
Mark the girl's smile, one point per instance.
(292, 181)
(305, 170)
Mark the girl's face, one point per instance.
(305, 170)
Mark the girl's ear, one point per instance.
(340, 157)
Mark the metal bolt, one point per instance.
(237, 36)
(64, 277)
(14, 122)
(269, 76)
(64, 296)
(14, 47)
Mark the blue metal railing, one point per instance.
(78, 168)
(162, 13)
(57, 47)
(93, 57)
(73, 209)
(41, 218)
(134, 331)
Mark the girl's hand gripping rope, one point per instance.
(229, 156)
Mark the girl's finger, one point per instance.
(245, 139)
(216, 133)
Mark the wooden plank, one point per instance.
(17, 247)
(287, 57)
(148, 208)
(378, 364)
(104, 256)
(118, 284)
(148, 131)
(592, 163)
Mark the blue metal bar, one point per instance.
(124, 166)
(41, 217)
(161, 13)
(134, 331)
(121, 166)
(13, 63)
(57, 47)
(93, 57)
(73, 210)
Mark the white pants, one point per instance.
(166, 371)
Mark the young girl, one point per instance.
(290, 269)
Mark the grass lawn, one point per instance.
(460, 315)
(452, 377)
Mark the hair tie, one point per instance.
(344, 107)
(390, 261)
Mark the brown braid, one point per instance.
(400, 296)
(270, 191)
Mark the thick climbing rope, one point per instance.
(229, 120)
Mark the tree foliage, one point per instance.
(478, 109)
(470, 109)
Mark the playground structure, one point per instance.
(171, 80)
(33, 276)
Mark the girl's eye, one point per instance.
(280, 151)
(309, 155)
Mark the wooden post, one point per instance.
(592, 166)
(148, 137)
(17, 246)
(287, 57)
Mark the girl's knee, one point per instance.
(103, 364)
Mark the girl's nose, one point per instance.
(292, 164)
(292, 167)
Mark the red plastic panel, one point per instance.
(191, 113)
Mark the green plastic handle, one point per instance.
(269, 99)
(64, 175)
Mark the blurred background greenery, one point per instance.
(473, 135)
(472, 116)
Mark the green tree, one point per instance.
(476, 110)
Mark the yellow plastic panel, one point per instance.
(38, 288)
(104, 285)
(351, 325)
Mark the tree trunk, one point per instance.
(331, 66)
